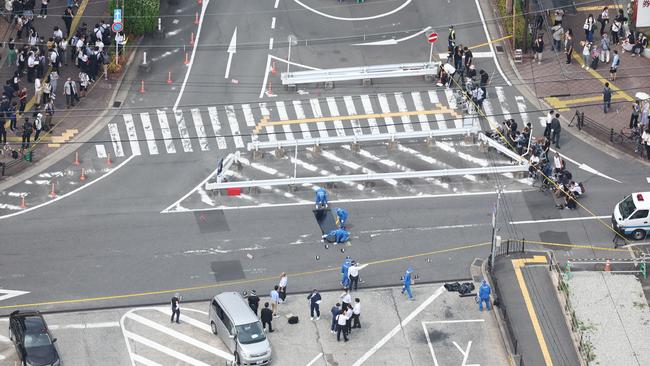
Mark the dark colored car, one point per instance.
(32, 339)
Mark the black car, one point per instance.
(32, 339)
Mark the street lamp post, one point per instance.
(495, 211)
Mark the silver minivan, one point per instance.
(240, 329)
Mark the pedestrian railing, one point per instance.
(620, 139)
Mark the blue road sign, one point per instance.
(117, 16)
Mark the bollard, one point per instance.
(279, 152)
(142, 87)
(196, 18)
(356, 147)
(611, 135)
(169, 78)
(76, 159)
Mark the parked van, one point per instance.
(240, 329)
(631, 215)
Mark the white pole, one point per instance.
(117, 53)
(431, 53)
(295, 161)
(494, 227)
(289, 55)
(144, 58)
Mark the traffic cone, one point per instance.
(169, 78)
(608, 266)
(273, 69)
(109, 161)
(187, 58)
(200, 2)
(83, 175)
(22, 202)
(142, 87)
(76, 159)
(196, 18)
(192, 38)
(52, 192)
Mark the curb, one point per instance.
(90, 130)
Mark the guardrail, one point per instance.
(329, 76)
(501, 148)
(256, 145)
(605, 133)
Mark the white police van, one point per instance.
(632, 215)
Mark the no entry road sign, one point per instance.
(432, 37)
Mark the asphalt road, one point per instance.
(111, 245)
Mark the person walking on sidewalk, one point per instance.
(22, 99)
(275, 300)
(616, 62)
(634, 118)
(266, 316)
(47, 90)
(603, 19)
(558, 31)
(406, 284)
(314, 304)
(538, 48)
(557, 19)
(589, 28)
(645, 113)
(68, 15)
(586, 51)
(615, 30)
(38, 125)
(607, 98)
(547, 128)
(556, 128)
(27, 134)
(645, 139)
(568, 45)
(43, 12)
(484, 296)
(176, 307)
(70, 91)
(604, 48)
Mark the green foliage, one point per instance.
(138, 16)
(506, 21)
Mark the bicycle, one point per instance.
(631, 136)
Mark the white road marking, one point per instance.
(271, 43)
(232, 49)
(182, 130)
(282, 112)
(273, 23)
(399, 327)
(186, 319)
(385, 108)
(503, 102)
(352, 110)
(315, 359)
(270, 130)
(521, 106)
(159, 347)
(234, 126)
(419, 106)
(300, 114)
(401, 106)
(84, 326)
(101, 151)
(277, 2)
(586, 167)
(452, 321)
(148, 133)
(216, 127)
(451, 99)
(402, 6)
(133, 136)
(489, 113)
(166, 132)
(648, 179)
(143, 360)
(200, 130)
(58, 198)
(560, 220)
(248, 115)
(322, 127)
(393, 41)
(440, 119)
(487, 36)
(334, 112)
(434, 162)
(176, 205)
(115, 139)
(367, 108)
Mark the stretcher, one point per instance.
(327, 220)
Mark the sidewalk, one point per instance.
(569, 87)
(67, 122)
(532, 311)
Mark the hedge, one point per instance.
(138, 16)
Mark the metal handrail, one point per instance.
(358, 73)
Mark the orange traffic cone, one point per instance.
(200, 2)
(192, 38)
(169, 78)
(273, 69)
(52, 192)
(109, 162)
(22, 202)
(76, 159)
(83, 175)
(187, 58)
(608, 266)
(196, 18)
(142, 86)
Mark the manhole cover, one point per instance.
(117, 104)
(498, 48)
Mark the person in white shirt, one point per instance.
(346, 299)
(356, 312)
(282, 286)
(348, 322)
(547, 128)
(99, 44)
(341, 320)
(38, 91)
(353, 273)
(58, 33)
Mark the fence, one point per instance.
(624, 139)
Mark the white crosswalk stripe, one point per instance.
(200, 130)
(101, 151)
(401, 106)
(489, 112)
(503, 102)
(115, 139)
(166, 132)
(300, 114)
(148, 133)
(248, 115)
(417, 101)
(133, 136)
(234, 126)
(385, 108)
(334, 112)
(182, 130)
(440, 119)
(521, 106)
(282, 112)
(322, 127)
(453, 104)
(270, 130)
(352, 110)
(216, 127)
(367, 109)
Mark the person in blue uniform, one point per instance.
(321, 198)
(343, 216)
(406, 287)
(484, 295)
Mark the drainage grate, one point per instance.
(117, 104)
(498, 48)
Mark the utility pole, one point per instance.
(495, 212)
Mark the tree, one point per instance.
(138, 16)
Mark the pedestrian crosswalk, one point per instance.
(230, 127)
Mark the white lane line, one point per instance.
(270, 130)
(166, 132)
(216, 127)
(402, 6)
(159, 347)
(182, 130)
(489, 40)
(356, 200)
(440, 119)
(313, 360)
(200, 130)
(101, 151)
(273, 23)
(523, 114)
(433, 354)
(489, 113)
(316, 111)
(58, 198)
(148, 133)
(85, 325)
(419, 106)
(559, 220)
(401, 106)
(178, 335)
(385, 108)
(334, 112)
(352, 110)
(503, 102)
(176, 205)
(204, 7)
(450, 321)
(248, 115)
(435, 163)
(133, 136)
(234, 126)
(399, 327)
(143, 360)
(282, 112)
(115, 139)
(277, 2)
(354, 166)
(271, 43)
(300, 114)
(367, 108)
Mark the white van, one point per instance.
(631, 215)
(240, 329)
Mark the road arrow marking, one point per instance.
(587, 168)
(8, 294)
(232, 49)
